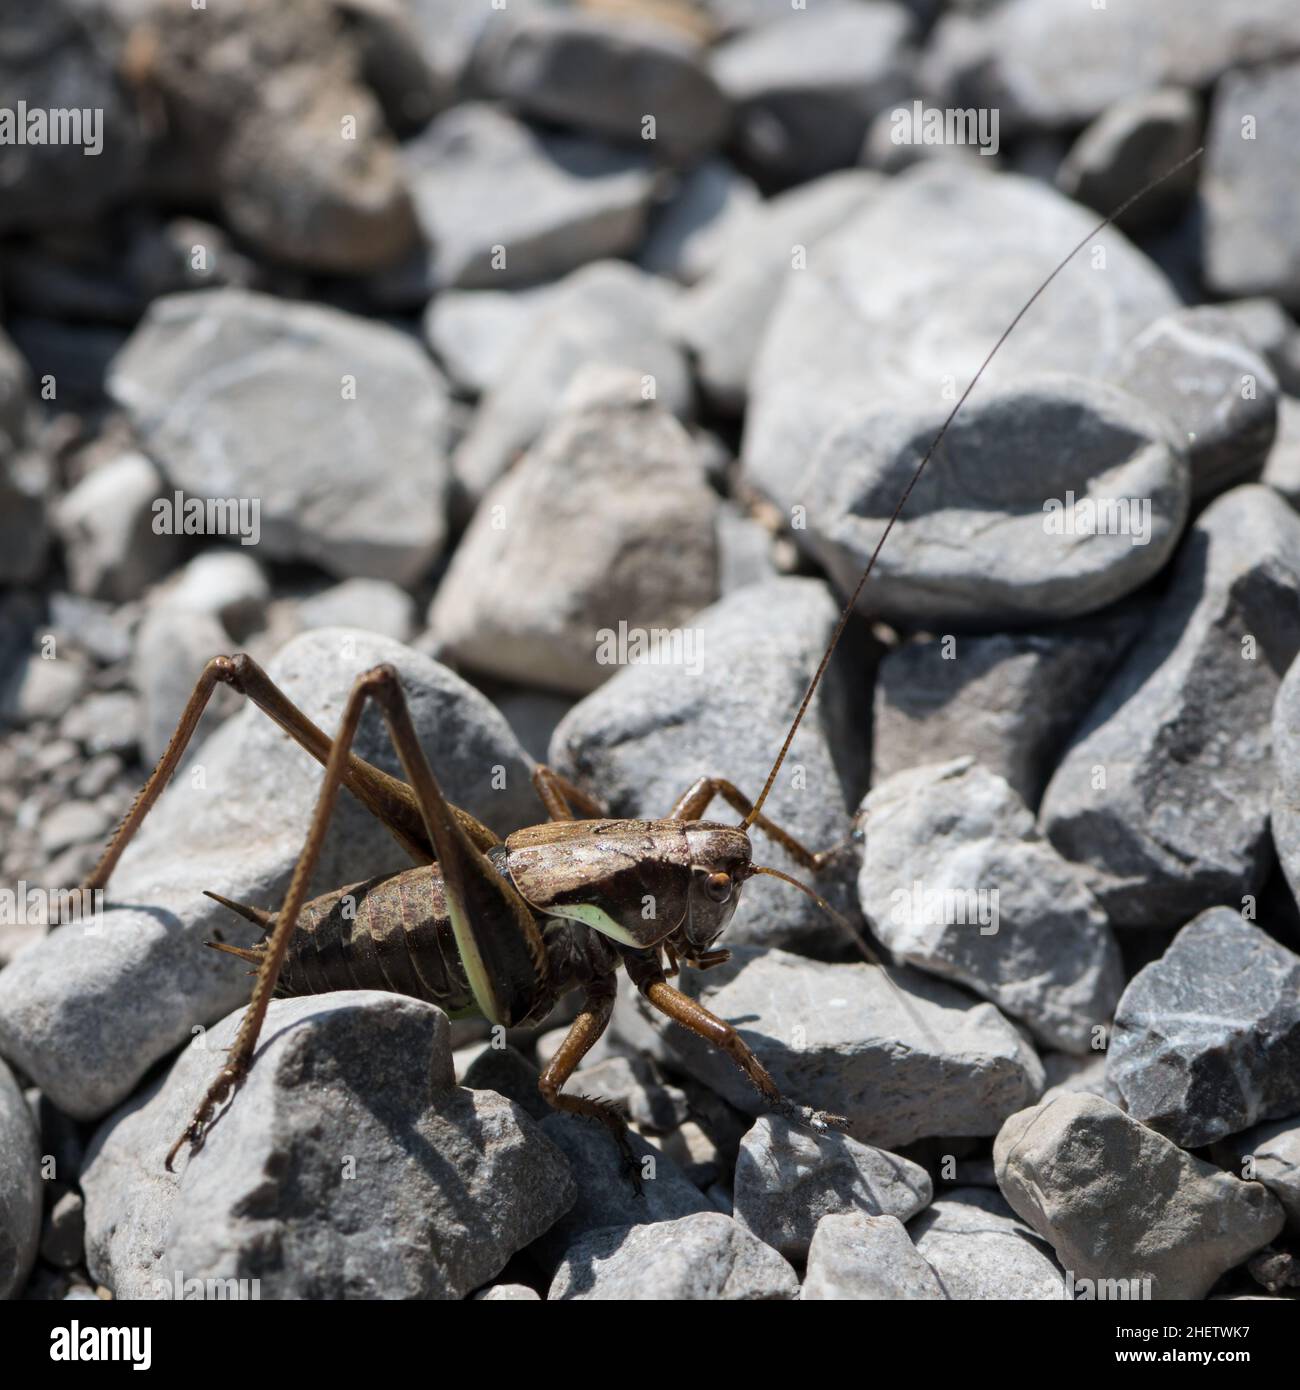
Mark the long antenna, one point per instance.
(920, 468)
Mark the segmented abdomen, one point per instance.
(390, 933)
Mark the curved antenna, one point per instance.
(920, 468)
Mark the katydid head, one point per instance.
(720, 860)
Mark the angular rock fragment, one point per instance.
(899, 1062)
(1268, 1154)
(321, 436)
(1121, 1203)
(1207, 1038)
(957, 881)
(402, 1185)
(524, 602)
(1163, 794)
(856, 1256)
(704, 1256)
(788, 1180)
(21, 1189)
(977, 1249)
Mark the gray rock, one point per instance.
(255, 99)
(634, 1085)
(1050, 499)
(21, 1194)
(607, 1195)
(500, 204)
(45, 687)
(977, 1249)
(523, 602)
(1009, 700)
(900, 1061)
(1119, 1202)
(1195, 366)
(1068, 1075)
(63, 1238)
(474, 334)
(706, 1256)
(73, 823)
(856, 1256)
(507, 1072)
(938, 265)
(336, 427)
(228, 585)
(51, 55)
(106, 525)
(605, 74)
(172, 646)
(1282, 467)
(608, 314)
(721, 321)
(508, 1293)
(709, 209)
(1056, 64)
(1273, 1151)
(1164, 792)
(1285, 820)
(1133, 141)
(745, 551)
(805, 87)
(373, 605)
(650, 732)
(788, 1180)
(348, 1164)
(957, 881)
(1269, 329)
(1252, 171)
(26, 490)
(1206, 1037)
(85, 1013)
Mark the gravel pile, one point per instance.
(571, 358)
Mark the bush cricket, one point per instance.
(504, 928)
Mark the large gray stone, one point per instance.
(1163, 794)
(643, 738)
(702, 1257)
(855, 1256)
(88, 1011)
(21, 1190)
(1269, 1154)
(788, 1179)
(1056, 64)
(979, 1250)
(901, 1058)
(606, 74)
(1009, 700)
(1120, 1202)
(336, 427)
(1049, 499)
(904, 301)
(957, 881)
(526, 600)
(609, 314)
(1207, 1038)
(501, 204)
(1252, 178)
(347, 1165)
(806, 86)
(1285, 818)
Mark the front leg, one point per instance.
(648, 976)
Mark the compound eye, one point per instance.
(718, 887)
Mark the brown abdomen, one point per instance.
(390, 933)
